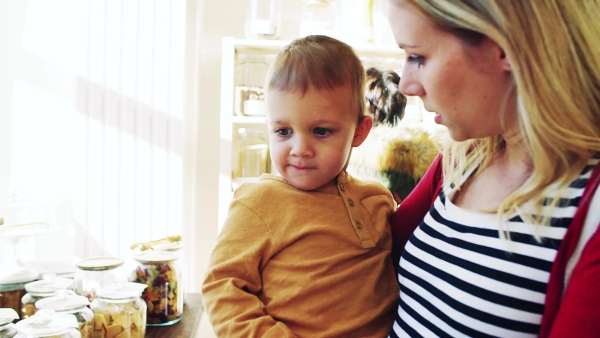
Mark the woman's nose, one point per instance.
(409, 86)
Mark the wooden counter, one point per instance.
(186, 327)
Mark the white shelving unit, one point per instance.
(385, 56)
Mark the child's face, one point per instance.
(311, 135)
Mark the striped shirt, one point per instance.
(458, 278)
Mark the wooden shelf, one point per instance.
(245, 46)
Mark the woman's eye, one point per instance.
(415, 59)
(322, 131)
(283, 132)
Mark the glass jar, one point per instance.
(48, 324)
(264, 19)
(93, 273)
(250, 76)
(251, 154)
(119, 310)
(318, 18)
(163, 296)
(171, 244)
(11, 296)
(7, 328)
(70, 303)
(47, 287)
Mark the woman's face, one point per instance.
(468, 87)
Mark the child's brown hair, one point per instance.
(319, 62)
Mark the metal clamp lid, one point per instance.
(151, 244)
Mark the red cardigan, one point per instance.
(576, 313)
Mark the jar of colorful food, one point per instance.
(70, 303)
(119, 311)
(163, 296)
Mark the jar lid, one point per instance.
(7, 315)
(153, 256)
(46, 322)
(63, 301)
(121, 291)
(168, 246)
(99, 263)
(49, 284)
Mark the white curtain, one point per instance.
(96, 123)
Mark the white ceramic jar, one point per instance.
(70, 303)
(47, 323)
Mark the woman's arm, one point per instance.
(576, 270)
(580, 307)
(413, 209)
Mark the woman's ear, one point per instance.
(362, 130)
(504, 60)
(493, 56)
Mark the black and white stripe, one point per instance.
(459, 279)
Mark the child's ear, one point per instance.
(362, 130)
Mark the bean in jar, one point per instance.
(164, 299)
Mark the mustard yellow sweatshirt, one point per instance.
(292, 263)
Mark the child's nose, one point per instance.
(302, 147)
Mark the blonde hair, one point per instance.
(319, 62)
(553, 47)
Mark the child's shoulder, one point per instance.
(267, 186)
(365, 187)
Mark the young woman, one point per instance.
(500, 236)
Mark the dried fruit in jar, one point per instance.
(117, 322)
(162, 296)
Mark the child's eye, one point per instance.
(322, 131)
(283, 132)
(416, 59)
